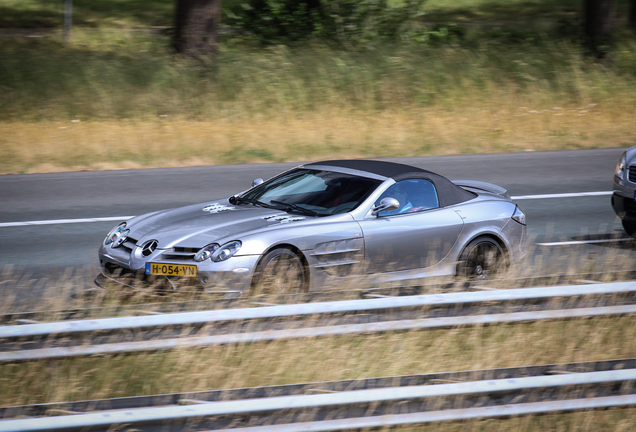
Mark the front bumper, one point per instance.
(623, 200)
(233, 276)
(625, 208)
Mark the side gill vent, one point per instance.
(217, 208)
(338, 257)
(283, 218)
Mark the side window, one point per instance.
(413, 195)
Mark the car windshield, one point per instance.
(314, 192)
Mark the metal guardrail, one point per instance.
(223, 319)
(369, 407)
(431, 300)
(201, 341)
(210, 301)
(131, 402)
(451, 415)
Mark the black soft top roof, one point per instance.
(448, 192)
(386, 169)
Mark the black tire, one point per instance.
(483, 258)
(281, 271)
(629, 227)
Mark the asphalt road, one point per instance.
(46, 249)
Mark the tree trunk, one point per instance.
(196, 27)
(600, 20)
(632, 14)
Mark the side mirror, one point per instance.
(387, 203)
(257, 181)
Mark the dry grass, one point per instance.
(497, 125)
(335, 358)
(137, 106)
(308, 360)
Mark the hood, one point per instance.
(197, 225)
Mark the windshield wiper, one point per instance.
(296, 207)
(241, 200)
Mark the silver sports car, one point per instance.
(624, 196)
(322, 225)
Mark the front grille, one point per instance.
(630, 205)
(179, 254)
(632, 173)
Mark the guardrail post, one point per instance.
(68, 19)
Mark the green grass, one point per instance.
(115, 75)
(309, 100)
(86, 13)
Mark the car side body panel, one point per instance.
(409, 241)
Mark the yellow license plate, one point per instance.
(181, 270)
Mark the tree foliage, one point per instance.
(349, 21)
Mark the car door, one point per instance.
(418, 234)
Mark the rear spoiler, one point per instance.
(482, 186)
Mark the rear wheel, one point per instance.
(630, 228)
(483, 258)
(281, 271)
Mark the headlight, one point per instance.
(620, 168)
(228, 250)
(117, 235)
(519, 216)
(205, 252)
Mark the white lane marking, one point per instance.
(64, 221)
(561, 195)
(116, 218)
(577, 242)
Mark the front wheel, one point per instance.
(483, 258)
(630, 228)
(281, 271)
